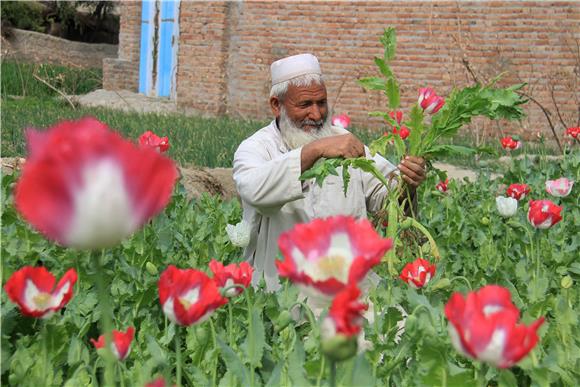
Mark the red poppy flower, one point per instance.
(188, 296)
(543, 213)
(442, 186)
(325, 255)
(121, 344)
(341, 120)
(573, 132)
(403, 132)
(518, 191)
(510, 143)
(33, 290)
(397, 116)
(84, 186)
(151, 140)
(231, 274)
(159, 382)
(418, 273)
(345, 316)
(484, 326)
(429, 101)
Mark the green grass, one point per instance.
(18, 79)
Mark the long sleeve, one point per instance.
(264, 182)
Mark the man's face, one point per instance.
(306, 106)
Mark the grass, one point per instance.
(18, 79)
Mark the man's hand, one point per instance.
(343, 145)
(413, 171)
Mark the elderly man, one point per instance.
(267, 165)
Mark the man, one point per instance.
(267, 165)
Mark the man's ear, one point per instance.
(276, 106)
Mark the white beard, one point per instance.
(294, 136)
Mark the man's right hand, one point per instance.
(344, 145)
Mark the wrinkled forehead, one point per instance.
(314, 92)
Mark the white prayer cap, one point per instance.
(294, 66)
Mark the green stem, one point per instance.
(215, 362)
(44, 338)
(178, 355)
(309, 314)
(464, 279)
(332, 373)
(322, 367)
(231, 324)
(120, 371)
(250, 337)
(106, 320)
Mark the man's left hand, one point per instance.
(413, 170)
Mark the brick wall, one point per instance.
(30, 46)
(122, 72)
(225, 50)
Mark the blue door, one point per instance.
(159, 38)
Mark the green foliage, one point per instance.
(18, 79)
(26, 15)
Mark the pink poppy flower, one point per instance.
(510, 143)
(150, 139)
(121, 344)
(517, 191)
(231, 274)
(442, 186)
(429, 101)
(560, 187)
(418, 273)
(325, 255)
(33, 290)
(84, 186)
(188, 296)
(544, 214)
(341, 120)
(484, 326)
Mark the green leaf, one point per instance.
(234, 363)
(155, 350)
(389, 42)
(275, 377)
(507, 379)
(416, 127)
(345, 179)
(373, 83)
(384, 68)
(379, 145)
(296, 366)
(392, 93)
(255, 342)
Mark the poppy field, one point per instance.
(112, 276)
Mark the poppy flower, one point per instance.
(543, 214)
(560, 187)
(506, 207)
(573, 132)
(403, 132)
(84, 186)
(484, 326)
(510, 143)
(442, 186)
(121, 344)
(397, 116)
(232, 274)
(188, 296)
(33, 290)
(517, 191)
(418, 273)
(341, 120)
(150, 139)
(341, 327)
(325, 255)
(429, 101)
(239, 234)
